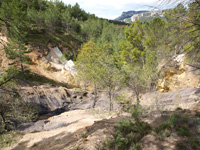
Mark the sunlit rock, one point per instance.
(178, 75)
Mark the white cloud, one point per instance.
(112, 8)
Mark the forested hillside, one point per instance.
(135, 63)
(39, 23)
(108, 55)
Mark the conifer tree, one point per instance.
(13, 15)
(139, 64)
(98, 65)
(87, 64)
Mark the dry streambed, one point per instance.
(56, 128)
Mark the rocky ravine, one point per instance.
(62, 126)
(67, 114)
(86, 129)
(53, 100)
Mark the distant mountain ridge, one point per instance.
(128, 14)
(143, 16)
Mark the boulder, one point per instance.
(54, 58)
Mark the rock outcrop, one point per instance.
(178, 75)
(46, 98)
(51, 64)
(51, 100)
(185, 99)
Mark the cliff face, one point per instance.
(46, 61)
(178, 75)
(51, 64)
(143, 16)
(128, 14)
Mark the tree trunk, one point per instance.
(22, 67)
(85, 85)
(110, 98)
(95, 96)
(138, 100)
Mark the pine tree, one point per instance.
(132, 49)
(98, 65)
(87, 64)
(13, 14)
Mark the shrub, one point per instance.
(8, 138)
(191, 143)
(124, 127)
(127, 135)
(194, 142)
(183, 131)
(177, 119)
(163, 126)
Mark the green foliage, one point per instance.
(184, 30)
(192, 143)
(156, 33)
(16, 50)
(164, 133)
(139, 64)
(128, 135)
(175, 123)
(88, 67)
(63, 58)
(99, 68)
(124, 100)
(136, 113)
(133, 49)
(10, 73)
(13, 109)
(124, 127)
(177, 120)
(163, 126)
(9, 138)
(84, 135)
(183, 131)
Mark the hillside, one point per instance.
(70, 80)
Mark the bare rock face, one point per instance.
(185, 99)
(178, 75)
(51, 100)
(51, 64)
(46, 98)
(56, 59)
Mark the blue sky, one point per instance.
(111, 9)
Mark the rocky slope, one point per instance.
(47, 61)
(53, 100)
(128, 14)
(89, 130)
(178, 74)
(69, 126)
(143, 16)
(84, 128)
(67, 119)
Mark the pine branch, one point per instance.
(6, 81)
